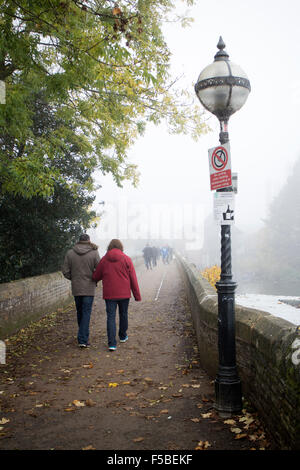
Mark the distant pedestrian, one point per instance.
(118, 276)
(147, 253)
(79, 265)
(154, 256)
(165, 254)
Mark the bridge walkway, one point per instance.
(150, 394)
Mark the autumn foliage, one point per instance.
(212, 274)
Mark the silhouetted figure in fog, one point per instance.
(154, 255)
(165, 254)
(147, 252)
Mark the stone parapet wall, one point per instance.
(268, 356)
(27, 300)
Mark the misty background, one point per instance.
(173, 202)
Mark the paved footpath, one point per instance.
(150, 394)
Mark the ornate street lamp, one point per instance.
(223, 88)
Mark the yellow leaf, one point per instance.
(69, 409)
(90, 402)
(240, 436)
(202, 445)
(90, 447)
(4, 421)
(138, 439)
(247, 420)
(229, 421)
(235, 430)
(206, 415)
(78, 403)
(113, 384)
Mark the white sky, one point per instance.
(262, 37)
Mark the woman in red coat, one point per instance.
(117, 273)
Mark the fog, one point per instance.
(261, 37)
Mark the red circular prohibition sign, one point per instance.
(219, 158)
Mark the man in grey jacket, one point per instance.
(79, 265)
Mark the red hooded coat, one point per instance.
(117, 273)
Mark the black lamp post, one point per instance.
(223, 88)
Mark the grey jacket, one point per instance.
(79, 265)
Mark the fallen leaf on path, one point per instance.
(195, 420)
(69, 409)
(90, 402)
(78, 403)
(240, 436)
(138, 439)
(90, 447)
(113, 384)
(195, 386)
(229, 421)
(206, 415)
(235, 430)
(163, 412)
(4, 421)
(202, 445)
(247, 420)
(88, 366)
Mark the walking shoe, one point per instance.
(124, 340)
(82, 345)
(112, 348)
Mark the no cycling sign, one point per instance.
(220, 167)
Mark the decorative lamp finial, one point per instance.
(221, 54)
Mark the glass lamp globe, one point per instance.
(222, 87)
